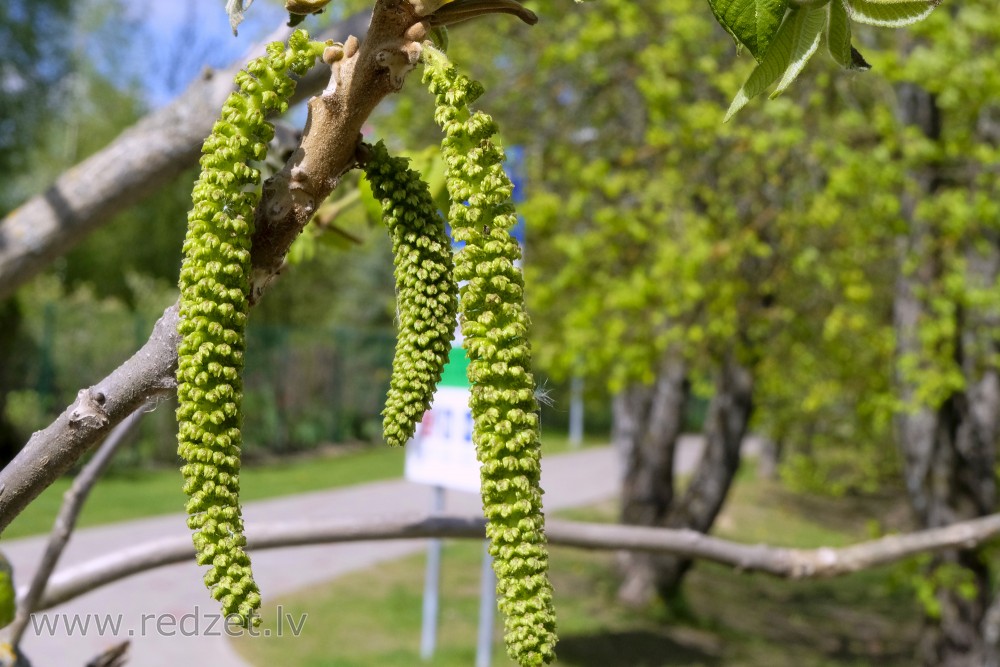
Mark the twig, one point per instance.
(777, 561)
(65, 522)
(113, 656)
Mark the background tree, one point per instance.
(33, 60)
(945, 308)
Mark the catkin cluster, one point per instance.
(495, 326)
(214, 285)
(425, 291)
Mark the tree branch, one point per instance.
(148, 375)
(776, 561)
(363, 73)
(136, 164)
(65, 522)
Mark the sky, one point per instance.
(177, 39)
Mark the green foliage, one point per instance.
(856, 620)
(784, 42)
(214, 286)
(889, 13)
(795, 42)
(8, 596)
(425, 291)
(927, 578)
(953, 57)
(495, 328)
(35, 56)
(68, 337)
(654, 229)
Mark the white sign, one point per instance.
(441, 453)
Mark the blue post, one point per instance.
(576, 412)
(487, 609)
(432, 585)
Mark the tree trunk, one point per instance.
(949, 450)
(647, 422)
(726, 424)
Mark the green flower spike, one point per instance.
(214, 285)
(495, 326)
(425, 291)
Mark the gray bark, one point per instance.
(647, 422)
(725, 427)
(330, 145)
(949, 450)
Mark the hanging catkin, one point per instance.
(214, 284)
(495, 328)
(425, 291)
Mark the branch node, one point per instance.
(399, 61)
(418, 31)
(362, 154)
(351, 46)
(333, 53)
(89, 410)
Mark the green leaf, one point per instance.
(838, 39)
(889, 13)
(752, 23)
(795, 42)
(808, 32)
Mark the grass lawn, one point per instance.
(373, 618)
(143, 493)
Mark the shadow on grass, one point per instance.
(633, 648)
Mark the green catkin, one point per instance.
(425, 291)
(495, 326)
(214, 286)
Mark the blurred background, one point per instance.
(820, 272)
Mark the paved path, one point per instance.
(170, 593)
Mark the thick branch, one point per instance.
(362, 75)
(777, 561)
(136, 164)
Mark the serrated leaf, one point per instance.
(811, 22)
(773, 64)
(838, 35)
(752, 23)
(838, 39)
(889, 13)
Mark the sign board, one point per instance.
(441, 452)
